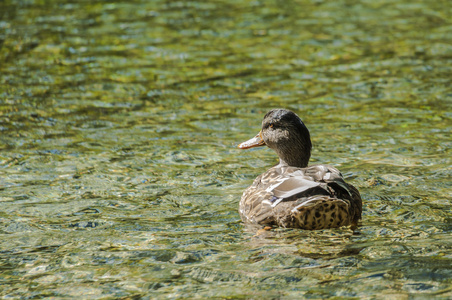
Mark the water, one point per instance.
(119, 122)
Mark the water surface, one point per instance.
(119, 121)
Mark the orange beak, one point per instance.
(256, 141)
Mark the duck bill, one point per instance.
(256, 141)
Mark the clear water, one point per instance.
(119, 120)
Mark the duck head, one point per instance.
(285, 133)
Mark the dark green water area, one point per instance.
(119, 172)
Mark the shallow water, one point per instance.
(119, 122)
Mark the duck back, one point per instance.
(315, 197)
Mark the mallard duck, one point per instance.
(293, 194)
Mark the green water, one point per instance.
(119, 173)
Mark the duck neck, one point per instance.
(299, 159)
(298, 164)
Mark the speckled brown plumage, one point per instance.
(291, 194)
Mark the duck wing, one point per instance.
(279, 194)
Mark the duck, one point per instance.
(292, 194)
